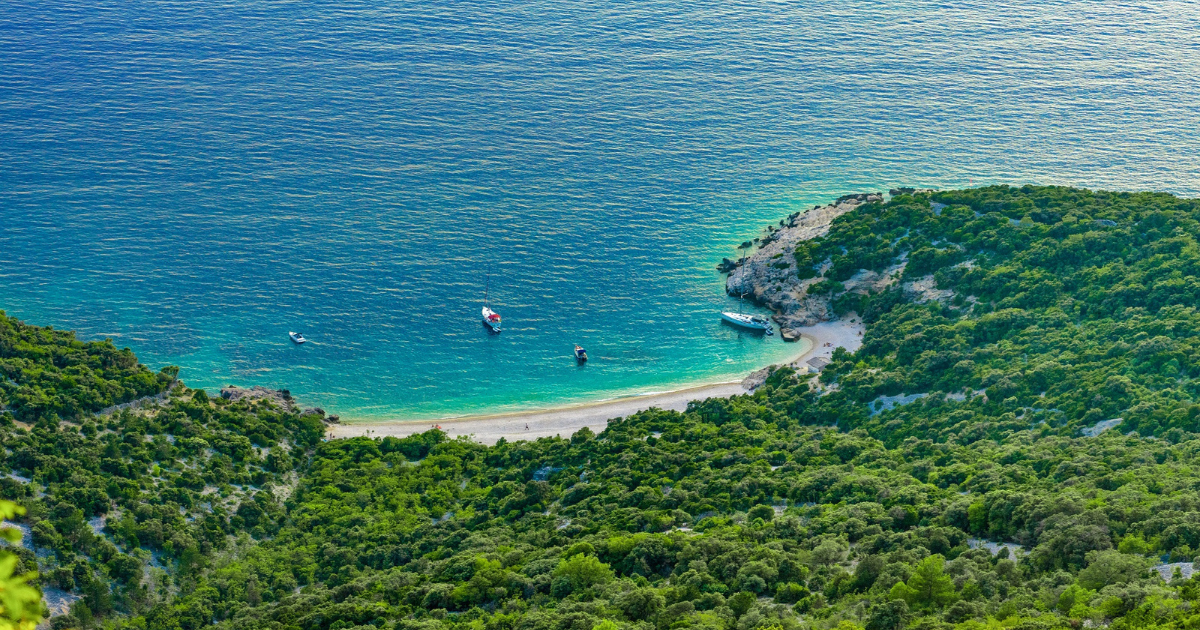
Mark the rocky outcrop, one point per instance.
(924, 289)
(757, 378)
(145, 402)
(319, 412)
(770, 276)
(281, 397)
(905, 190)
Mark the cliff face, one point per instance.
(770, 276)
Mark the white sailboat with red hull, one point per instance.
(491, 318)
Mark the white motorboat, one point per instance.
(297, 337)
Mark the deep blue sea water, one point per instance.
(195, 179)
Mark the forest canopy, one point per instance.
(48, 372)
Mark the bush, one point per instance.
(765, 512)
(1110, 567)
(583, 571)
(790, 593)
(741, 602)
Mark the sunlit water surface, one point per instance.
(194, 180)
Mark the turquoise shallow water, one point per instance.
(196, 179)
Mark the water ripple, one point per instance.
(194, 180)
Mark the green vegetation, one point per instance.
(20, 604)
(46, 372)
(130, 507)
(809, 503)
(1069, 308)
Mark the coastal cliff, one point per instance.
(771, 276)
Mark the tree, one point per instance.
(1110, 567)
(929, 585)
(742, 602)
(765, 512)
(867, 572)
(582, 436)
(961, 611)
(583, 571)
(828, 553)
(891, 615)
(20, 604)
(640, 604)
(790, 593)
(1134, 544)
(1074, 600)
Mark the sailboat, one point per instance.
(753, 322)
(491, 318)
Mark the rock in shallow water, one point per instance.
(726, 265)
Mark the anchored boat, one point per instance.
(491, 318)
(297, 337)
(580, 354)
(753, 322)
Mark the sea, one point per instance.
(194, 180)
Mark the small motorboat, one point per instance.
(753, 322)
(297, 337)
(580, 354)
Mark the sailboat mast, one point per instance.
(486, 285)
(742, 292)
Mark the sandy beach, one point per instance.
(542, 423)
(563, 421)
(829, 336)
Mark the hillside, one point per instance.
(953, 472)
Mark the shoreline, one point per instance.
(567, 419)
(561, 421)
